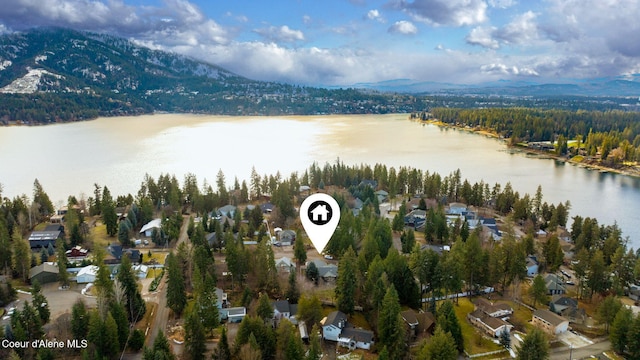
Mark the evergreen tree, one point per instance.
(447, 319)
(299, 250)
(134, 303)
(440, 347)
(79, 320)
(620, 330)
(390, 325)
(346, 282)
(293, 294)
(109, 216)
(608, 310)
(123, 234)
(119, 314)
(176, 292)
(61, 260)
(161, 349)
(315, 349)
(505, 339)
(538, 290)
(40, 302)
(534, 346)
(408, 240)
(21, 257)
(222, 352)
(265, 310)
(41, 198)
(110, 338)
(633, 346)
(194, 337)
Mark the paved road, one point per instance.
(162, 312)
(583, 352)
(160, 297)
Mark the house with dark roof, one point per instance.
(42, 239)
(568, 308)
(555, 285)
(354, 338)
(336, 328)
(549, 322)
(287, 237)
(227, 210)
(418, 323)
(497, 310)
(45, 273)
(333, 324)
(416, 218)
(327, 272)
(267, 207)
(116, 251)
(282, 309)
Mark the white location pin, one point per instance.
(320, 215)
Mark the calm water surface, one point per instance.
(118, 152)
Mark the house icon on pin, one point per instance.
(320, 213)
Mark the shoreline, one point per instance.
(633, 171)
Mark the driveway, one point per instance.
(61, 301)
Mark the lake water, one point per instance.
(118, 152)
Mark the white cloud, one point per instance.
(483, 36)
(502, 4)
(281, 34)
(502, 69)
(445, 12)
(403, 27)
(374, 14)
(522, 30)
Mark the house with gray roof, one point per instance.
(333, 324)
(549, 322)
(555, 285)
(45, 273)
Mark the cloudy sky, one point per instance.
(343, 42)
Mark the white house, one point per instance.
(147, 229)
(354, 338)
(140, 271)
(87, 274)
(333, 324)
(532, 266)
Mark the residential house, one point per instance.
(140, 270)
(634, 292)
(46, 272)
(418, 323)
(333, 324)
(282, 309)
(416, 218)
(493, 326)
(555, 285)
(233, 314)
(438, 249)
(532, 266)
(76, 253)
(87, 274)
(227, 210)
(457, 209)
(568, 308)
(266, 208)
(499, 310)
(147, 229)
(354, 338)
(382, 195)
(549, 322)
(287, 237)
(327, 272)
(285, 264)
(491, 317)
(221, 298)
(116, 251)
(42, 239)
(371, 183)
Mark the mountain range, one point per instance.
(55, 74)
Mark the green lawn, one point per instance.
(474, 342)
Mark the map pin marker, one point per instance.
(320, 215)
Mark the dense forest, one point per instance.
(610, 136)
